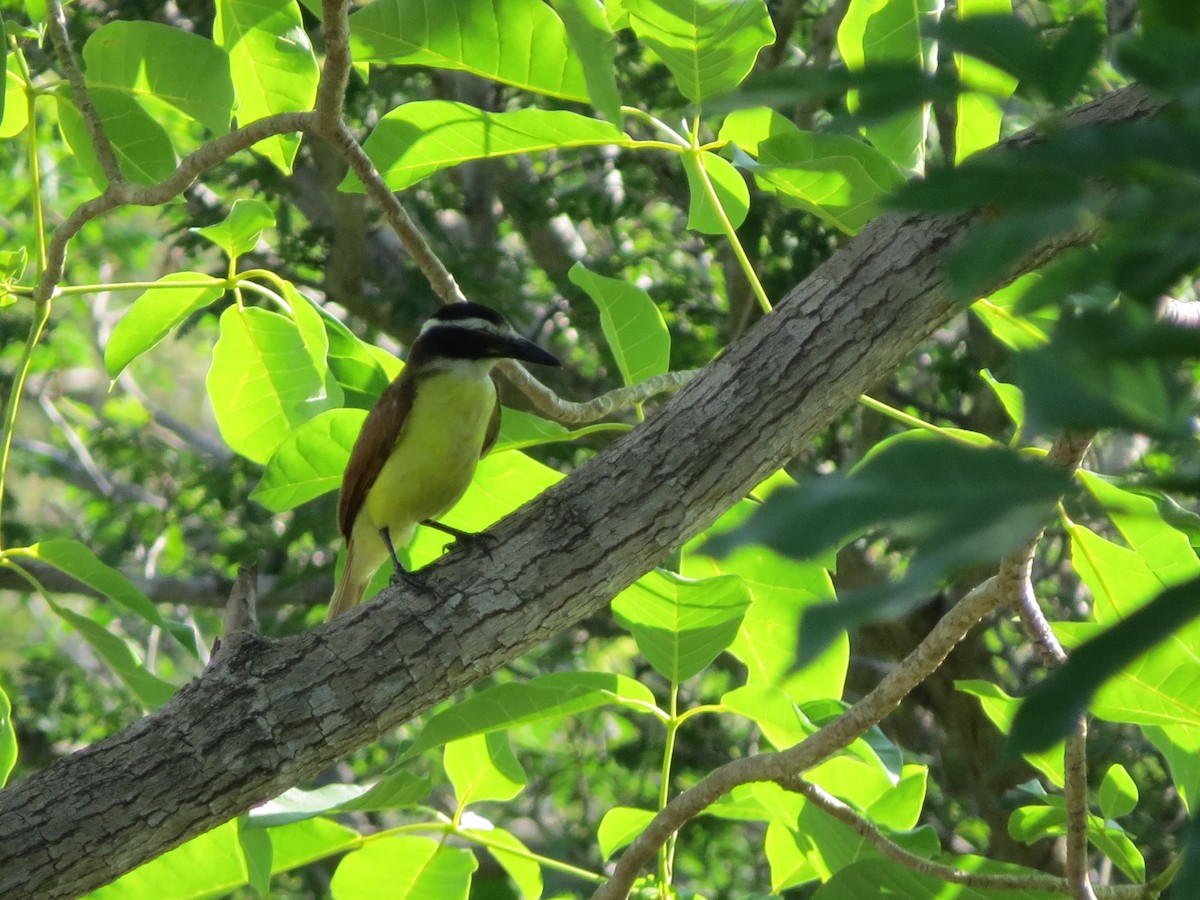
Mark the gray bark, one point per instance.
(271, 713)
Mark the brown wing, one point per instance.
(375, 442)
(493, 429)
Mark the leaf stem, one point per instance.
(912, 421)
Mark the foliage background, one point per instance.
(615, 250)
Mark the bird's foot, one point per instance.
(481, 541)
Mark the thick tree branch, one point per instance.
(275, 712)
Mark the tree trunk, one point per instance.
(271, 713)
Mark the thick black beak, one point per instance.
(527, 351)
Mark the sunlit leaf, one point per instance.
(208, 865)
(425, 136)
(732, 197)
(155, 314)
(593, 41)
(517, 42)
(632, 325)
(142, 147)
(681, 624)
(416, 868)
(310, 461)
(8, 738)
(620, 825)
(238, 233)
(483, 767)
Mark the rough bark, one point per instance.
(270, 713)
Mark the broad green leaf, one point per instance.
(732, 195)
(550, 696)
(517, 42)
(887, 879)
(16, 109)
(519, 429)
(978, 113)
(311, 325)
(150, 60)
(77, 560)
(483, 767)
(593, 41)
(515, 858)
(781, 589)
(1010, 398)
(300, 843)
(8, 739)
(272, 64)
(262, 382)
(957, 505)
(502, 482)
(1118, 792)
(209, 865)
(395, 791)
(1030, 824)
(149, 690)
(259, 855)
(709, 46)
(238, 233)
(773, 711)
(836, 177)
(414, 868)
(1165, 550)
(899, 807)
(155, 314)
(1180, 747)
(354, 364)
(682, 624)
(1015, 329)
(310, 461)
(1000, 709)
(425, 136)
(620, 825)
(633, 327)
(889, 31)
(1050, 710)
(4, 67)
(143, 148)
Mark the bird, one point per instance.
(419, 445)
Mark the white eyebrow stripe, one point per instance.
(477, 325)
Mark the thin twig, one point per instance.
(550, 405)
(335, 74)
(106, 156)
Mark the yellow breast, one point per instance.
(435, 455)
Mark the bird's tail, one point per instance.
(350, 588)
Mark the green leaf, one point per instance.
(239, 232)
(1000, 709)
(8, 739)
(885, 878)
(77, 560)
(836, 177)
(16, 109)
(483, 767)
(160, 63)
(354, 365)
(1052, 708)
(632, 325)
(311, 325)
(593, 41)
(888, 31)
(978, 113)
(262, 382)
(3, 67)
(209, 865)
(1015, 328)
(519, 429)
(681, 624)
(300, 843)
(143, 149)
(422, 137)
(772, 710)
(1110, 369)
(1030, 824)
(272, 64)
(1010, 398)
(550, 696)
(310, 461)
(732, 195)
(709, 46)
(1118, 792)
(395, 791)
(619, 827)
(414, 868)
(259, 855)
(515, 858)
(517, 42)
(957, 505)
(155, 314)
